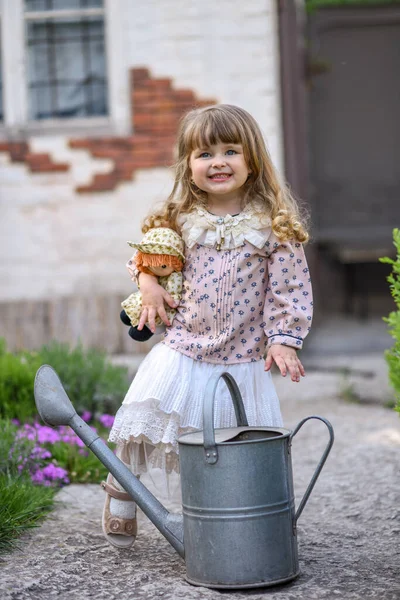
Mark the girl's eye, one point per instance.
(205, 155)
(231, 152)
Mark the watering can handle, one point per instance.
(320, 464)
(210, 448)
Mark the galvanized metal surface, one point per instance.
(238, 501)
(320, 464)
(210, 448)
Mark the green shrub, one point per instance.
(17, 374)
(35, 460)
(312, 5)
(81, 464)
(393, 320)
(10, 450)
(90, 380)
(53, 455)
(22, 504)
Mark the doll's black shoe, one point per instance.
(140, 336)
(124, 318)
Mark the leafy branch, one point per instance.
(393, 320)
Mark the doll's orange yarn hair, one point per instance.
(144, 261)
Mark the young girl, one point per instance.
(246, 288)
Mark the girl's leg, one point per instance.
(119, 520)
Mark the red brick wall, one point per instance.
(156, 110)
(37, 162)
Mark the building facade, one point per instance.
(90, 98)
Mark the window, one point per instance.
(65, 66)
(65, 59)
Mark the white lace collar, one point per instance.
(223, 233)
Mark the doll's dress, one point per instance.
(133, 304)
(165, 398)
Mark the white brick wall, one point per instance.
(226, 50)
(54, 242)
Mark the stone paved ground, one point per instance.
(349, 533)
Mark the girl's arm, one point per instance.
(154, 297)
(288, 306)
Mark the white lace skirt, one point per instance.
(165, 400)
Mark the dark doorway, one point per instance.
(354, 149)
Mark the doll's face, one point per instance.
(162, 271)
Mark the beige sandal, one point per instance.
(119, 532)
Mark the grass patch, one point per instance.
(35, 461)
(23, 505)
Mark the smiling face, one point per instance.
(220, 170)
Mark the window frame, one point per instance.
(15, 86)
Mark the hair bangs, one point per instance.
(228, 124)
(212, 127)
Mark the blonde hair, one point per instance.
(229, 124)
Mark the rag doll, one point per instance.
(160, 253)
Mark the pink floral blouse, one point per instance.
(252, 292)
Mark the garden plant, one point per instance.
(393, 320)
(36, 460)
(313, 5)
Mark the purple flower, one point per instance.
(78, 442)
(39, 453)
(38, 476)
(86, 416)
(107, 421)
(46, 434)
(50, 475)
(27, 432)
(67, 435)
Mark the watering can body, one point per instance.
(239, 514)
(239, 520)
(238, 505)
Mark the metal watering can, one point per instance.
(238, 527)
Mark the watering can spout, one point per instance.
(52, 402)
(55, 408)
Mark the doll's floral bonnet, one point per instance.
(161, 240)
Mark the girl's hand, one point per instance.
(153, 298)
(286, 359)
